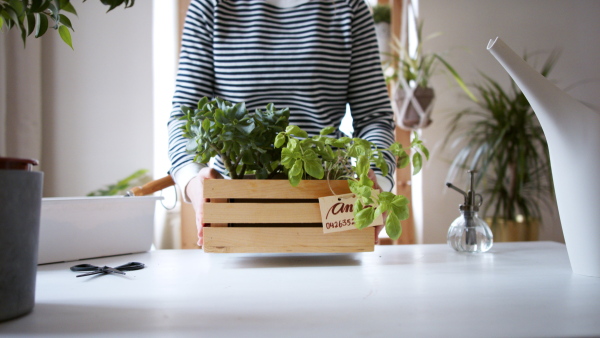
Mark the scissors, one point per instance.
(95, 270)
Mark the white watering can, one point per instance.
(573, 134)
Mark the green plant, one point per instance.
(264, 143)
(502, 139)
(416, 69)
(33, 16)
(138, 178)
(243, 140)
(350, 158)
(382, 13)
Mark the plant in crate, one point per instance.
(351, 158)
(243, 140)
(265, 144)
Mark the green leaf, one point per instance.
(364, 217)
(295, 180)
(68, 7)
(41, 25)
(392, 226)
(65, 35)
(36, 6)
(396, 149)
(403, 161)
(296, 168)
(12, 15)
(327, 130)
(296, 131)
(423, 149)
(287, 158)
(314, 168)
(30, 23)
(65, 21)
(417, 163)
(362, 165)
(279, 140)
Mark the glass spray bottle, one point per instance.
(469, 233)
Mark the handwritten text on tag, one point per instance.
(337, 213)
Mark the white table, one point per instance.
(518, 289)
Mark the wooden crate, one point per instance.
(271, 216)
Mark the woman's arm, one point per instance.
(367, 93)
(195, 79)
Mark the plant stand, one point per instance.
(271, 216)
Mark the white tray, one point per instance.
(74, 228)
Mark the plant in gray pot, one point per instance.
(21, 188)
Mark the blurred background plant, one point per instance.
(136, 179)
(36, 16)
(381, 13)
(501, 138)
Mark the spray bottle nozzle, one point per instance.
(470, 195)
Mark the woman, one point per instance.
(313, 57)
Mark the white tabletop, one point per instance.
(517, 289)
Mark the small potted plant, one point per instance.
(264, 143)
(502, 139)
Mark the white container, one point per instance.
(74, 228)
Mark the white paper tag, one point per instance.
(337, 213)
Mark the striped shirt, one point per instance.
(314, 58)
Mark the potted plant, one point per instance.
(382, 16)
(411, 72)
(501, 138)
(21, 192)
(265, 144)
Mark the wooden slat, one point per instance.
(262, 213)
(286, 240)
(280, 189)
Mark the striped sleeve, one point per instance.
(195, 79)
(372, 114)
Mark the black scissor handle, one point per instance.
(84, 267)
(131, 266)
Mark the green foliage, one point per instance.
(265, 144)
(348, 158)
(243, 140)
(382, 13)
(32, 16)
(138, 178)
(417, 68)
(502, 139)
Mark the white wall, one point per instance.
(97, 99)
(525, 25)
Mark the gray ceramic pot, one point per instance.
(20, 203)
